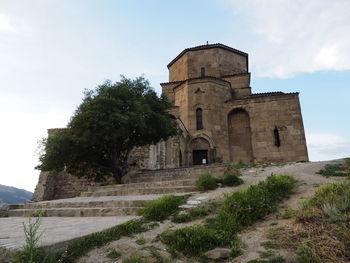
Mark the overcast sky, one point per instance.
(51, 50)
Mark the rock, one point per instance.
(124, 248)
(187, 206)
(201, 198)
(193, 202)
(218, 253)
(165, 255)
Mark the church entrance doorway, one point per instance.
(200, 151)
(200, 157)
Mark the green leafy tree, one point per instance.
(112, 120)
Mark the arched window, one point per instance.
(276, 134)
(199, 119)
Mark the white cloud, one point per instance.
(325, 146)
(293, 36)
(5, 23)
(19, 135)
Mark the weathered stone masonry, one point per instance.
(221, 120)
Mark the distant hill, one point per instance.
(13, 195)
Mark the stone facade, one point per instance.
(221, 121)
(53, 186)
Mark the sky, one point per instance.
(51, 50)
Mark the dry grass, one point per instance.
(325, 241)
(312, 235)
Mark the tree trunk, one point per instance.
(120, 167)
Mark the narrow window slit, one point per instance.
(276, 134)
(199, 119)
(202, 72)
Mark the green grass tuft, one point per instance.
(254, 203)
(276, 259)
(206, 182)
(240, 209)
(161, 208)
(82, 245)
(192, 214)
(192, 240)
(231, 179)
(141, 241)
(113, 254)
(339, 169)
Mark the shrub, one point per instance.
(321, 232)
(231, 176)
(339, 169)
(330, 201)
(241, 208)
(231, 180)
(254, 203)
(225, 227)
(192, 240)
(181, 218)
(31, 252)
(161, 208)
(206, 182)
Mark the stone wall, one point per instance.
(53, 186)
(268, 112)
(216, 62)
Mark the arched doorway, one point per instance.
(240, 138)
(200, 151)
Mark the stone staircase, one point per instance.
(123, 199)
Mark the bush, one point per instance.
(161, 208)
(181, 218)
(192, 240)
(230, 179)
(231, 176)
(31, 252)
(339, 169)
(254, 203)
(240, 209)
(330, 201)
(225, 227)
(206, 182)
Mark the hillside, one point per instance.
(13, 195)
(295, 212)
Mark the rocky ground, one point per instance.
(252, 238)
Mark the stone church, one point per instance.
(221, 119)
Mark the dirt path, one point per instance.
(252, 237)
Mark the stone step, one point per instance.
(175, 173)
(84, 204)
(141, 191)
(76, 211)
(172, 183)
(164, 178)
